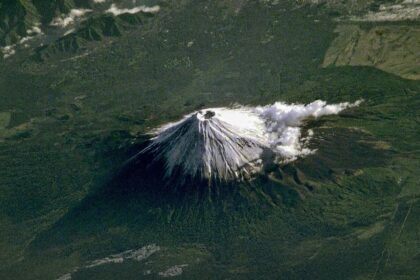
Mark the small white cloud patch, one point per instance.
(117, 11)
(136, 255)
(34, 30)
(71, 30)
(175, 270)
(10, 50)
(70, 18)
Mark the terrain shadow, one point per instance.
(140, 200)
(147, 208)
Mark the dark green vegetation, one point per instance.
(350, 211)
(17, 16)
(96, 28)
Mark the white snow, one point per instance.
(232, 141)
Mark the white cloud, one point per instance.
(173, 271)
(8, 51)
(117, 11)
(406, 10)
(411, 2)
(34, 30)
(99, 1)
(70, 18)
(71, 30)
(282, 124)
(136, 255)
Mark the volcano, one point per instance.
(229, 144)
(217, 143)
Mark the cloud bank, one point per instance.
(283, 124)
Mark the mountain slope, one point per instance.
(16, 18)
(50, 9)
(93, 29)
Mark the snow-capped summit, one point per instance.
(215, 143)
(223, 144)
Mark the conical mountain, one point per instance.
(215, 144)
